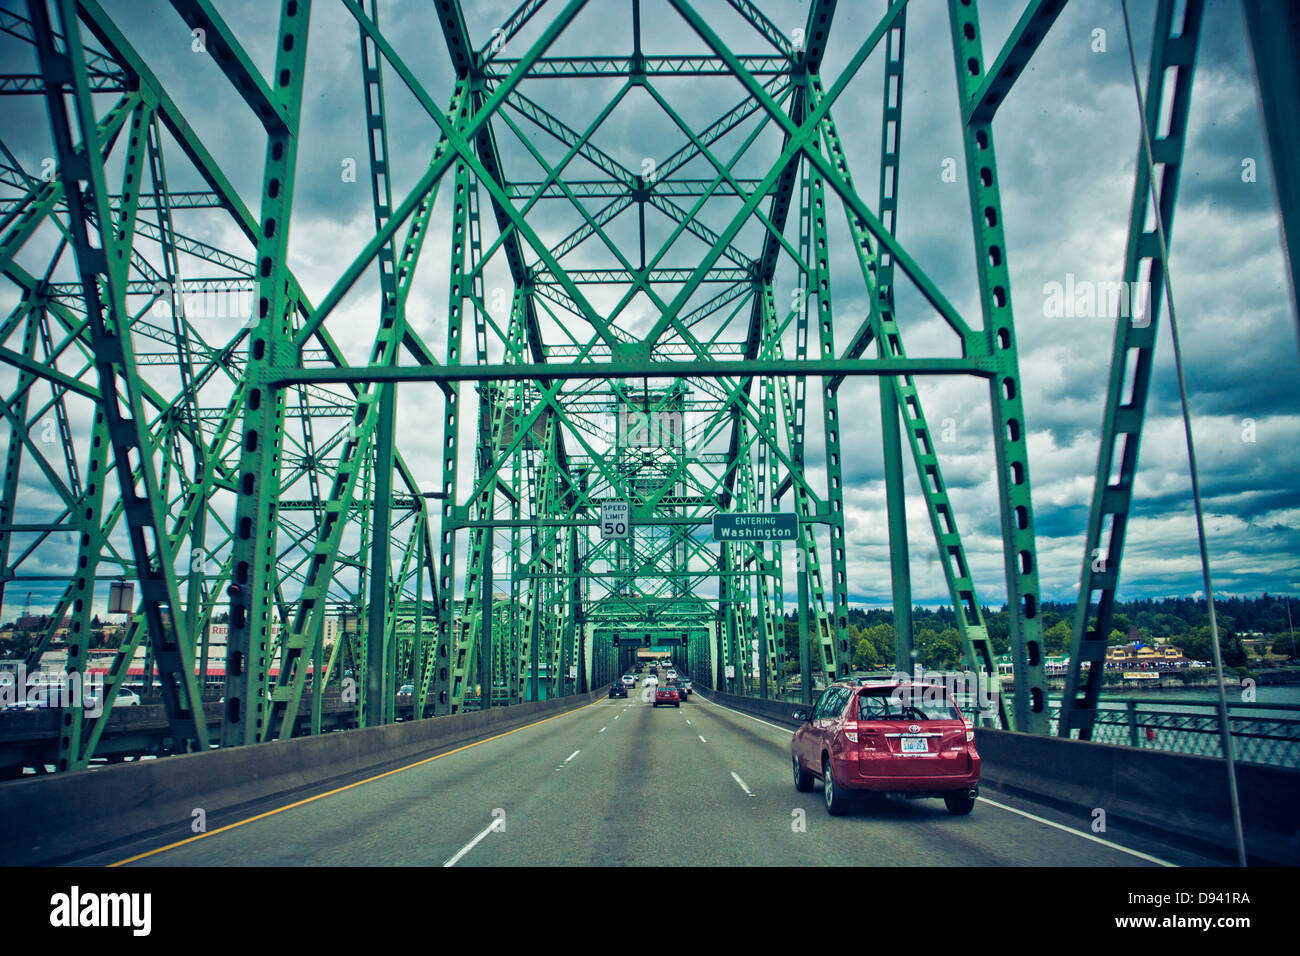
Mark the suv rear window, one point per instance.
(906, 703)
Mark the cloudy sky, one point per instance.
(1066, 141)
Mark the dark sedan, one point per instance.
(618, 689)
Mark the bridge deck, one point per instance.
(620, 782)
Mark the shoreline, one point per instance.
(1138, 688)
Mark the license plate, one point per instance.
(915, 745)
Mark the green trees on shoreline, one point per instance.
(1183, 622)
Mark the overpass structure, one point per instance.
(608, 351)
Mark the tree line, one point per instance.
(1183, 622)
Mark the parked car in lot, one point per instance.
(882, 737)
(667, 695)
(618, 689)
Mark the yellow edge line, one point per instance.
(330, 793)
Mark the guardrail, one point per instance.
(1258, 734)
(1261, 733)
(30, 739)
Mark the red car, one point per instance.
(667, 694)
(880, 737)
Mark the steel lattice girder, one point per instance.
(1134, 350)
(240, 471)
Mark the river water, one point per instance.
(1286, 694)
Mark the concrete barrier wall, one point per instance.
(1178, 797)
(49, 818)
(777, 711)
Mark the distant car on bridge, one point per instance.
(881, 737)
(618, 689)
(125, 697)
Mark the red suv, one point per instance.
(880, 737)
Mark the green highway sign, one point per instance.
(755, 526)
(662, 638)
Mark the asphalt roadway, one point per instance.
(603, 784)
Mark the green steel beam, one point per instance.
(271, 109)
(1019, 47)
(248, 711)
(1010, 433)
(1132, 362)
(983, 367)
(105, 264)
(1274, 37)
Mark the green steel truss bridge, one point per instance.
(656, 335)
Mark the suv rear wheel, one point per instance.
(803, 780)
(959, 804)
(837, 802)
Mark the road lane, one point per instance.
(419, 816)
(620, 782)
(921, 832)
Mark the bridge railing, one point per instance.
(1264, 733)
(1261, 733)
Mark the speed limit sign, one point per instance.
(615, 520)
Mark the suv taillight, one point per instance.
(851, 731)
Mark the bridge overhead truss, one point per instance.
(637, 331)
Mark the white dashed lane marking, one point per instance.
(736, 777)
(494, 825)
